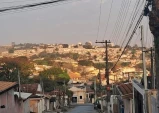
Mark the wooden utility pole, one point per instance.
(106, 68)
(106, 60)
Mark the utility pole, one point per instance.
(145, 100)
(106, 68)
(143, 58)
(106, 60)
(95, 88)
(99, 74)
(19, 83)
(152, 68)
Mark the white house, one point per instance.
(79, 94)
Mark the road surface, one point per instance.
(83, 108)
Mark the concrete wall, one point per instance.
(37, 105)
(26, 106)
(12, 104)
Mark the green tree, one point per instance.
(11, 50)
(99, 65)
(11, 66)
(53, 77)
(85, 63)
(75, 56)
(125, 64)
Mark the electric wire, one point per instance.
(18, 1)
(120, 21)
(136, 26)
(108, 19)
(99, 19)
(136, 12)
(129, 21)
(123, 21)
(29, 5)
(40, 7)
(117, 21)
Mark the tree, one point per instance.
(11, 50)
(45, 61)
(11, 66)
(56, 74)
(75, 56)
(53, 77)
(85, 62)
(99, 65)
(125, 64)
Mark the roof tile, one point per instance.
(6, 85)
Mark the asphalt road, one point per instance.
(83, 108)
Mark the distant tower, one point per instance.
(13, 44)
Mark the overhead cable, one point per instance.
(29, 5)
(136, 26)
(132, 20)
(108, 19)
(99, 19)
(122, 23)
(118, 19)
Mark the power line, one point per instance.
(131, 16)
(108, 19)
(123, 21)
(118, 18)
(99, 19)
(29, 5)
(132, 20)
(42, 7)
(6, 2)
(136, 26)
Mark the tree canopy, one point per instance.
(11, 66)
(53, 77)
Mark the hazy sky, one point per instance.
(65, 22)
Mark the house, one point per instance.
(89, 95)
(150, 100)
(8, 102)
(31, 88)
(38, 101)
(25, 99)
(79, 94)
(126, 94)
(36, 104)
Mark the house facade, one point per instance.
(8, 102)
(79, 94)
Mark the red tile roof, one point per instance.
(29, 88)
(4, 86)
(126, 90)
(56, 92)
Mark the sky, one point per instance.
(67, 22)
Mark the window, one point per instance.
(80, 97)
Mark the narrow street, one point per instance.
(83, 108)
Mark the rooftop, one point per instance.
(125, 90)
(4, 86)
